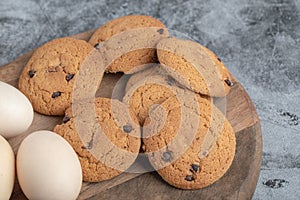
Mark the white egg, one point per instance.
(48, 167)
(16, 112)
(7, 169)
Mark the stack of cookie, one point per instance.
(167, 112)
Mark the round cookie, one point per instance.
(125, 136)
(194, 66)
(190, 167)
(148, 88)
(136, 56)
(122, 24)
(48, 77)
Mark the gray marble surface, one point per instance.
(258, 40)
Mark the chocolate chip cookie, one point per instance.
(148, 88)
(118, 129)
(192, 149)
(144, 31)
(194, 66)
(48, 78)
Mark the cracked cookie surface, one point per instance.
(189, 168)
(124, 135)
(48, 77)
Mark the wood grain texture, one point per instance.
(238, 183)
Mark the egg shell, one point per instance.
(48, 167)
(16, 112)
(7, 169)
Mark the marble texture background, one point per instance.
(258, 40)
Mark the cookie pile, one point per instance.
(167, 112)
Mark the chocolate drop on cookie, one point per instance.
(195, 167)
(56, 94)
(96, 46)
(66, 119)
(189, 178)
(69, 77)
(127, 128)
(167, 156)
(31, 73)
(160, 31)
(228, 82)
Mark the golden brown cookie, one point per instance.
(151, 70)
(178, 153)
(148, 31)
(122, 24)
(48, 78)
(120, 130)
(148, 88)
(194, 66)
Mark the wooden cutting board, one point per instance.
(238, 183)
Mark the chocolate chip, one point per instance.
(56, 94)
(219, 59)
(195, 167)
(189, 178)
(31, 73)
(167, 156)
(69, 77)
(96, 46)
(160, 31)
(228, 82)
(127, 128)
(66, 119)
